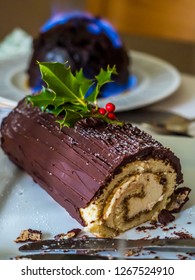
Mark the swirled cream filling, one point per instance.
(135, 195)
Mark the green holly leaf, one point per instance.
(65, 94)
(45, 99)
(102, 78)
(85, 84)
(105, 75)
(70, 118)
(60, 79)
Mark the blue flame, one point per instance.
(62, 18)
(96, 25)
(111, 33)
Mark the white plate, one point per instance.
(156, 79)
(23, 205)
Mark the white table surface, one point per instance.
(182, 101)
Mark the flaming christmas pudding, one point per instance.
(84, 41)
(110, 176)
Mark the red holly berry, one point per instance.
(111, 116)
(110, 107)
(102, 111)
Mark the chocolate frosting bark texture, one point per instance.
(74, 165)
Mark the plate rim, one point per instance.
(128, 100)
(174, 84)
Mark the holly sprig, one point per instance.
(71, 97)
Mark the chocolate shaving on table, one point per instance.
(165, 217)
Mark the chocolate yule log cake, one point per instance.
(109, 176)
(85, 41)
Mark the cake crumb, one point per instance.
(133, 252)
(145, 228)
(179, 199)
(29, 235)
(182, 257)
(183, 235)
(70, 234)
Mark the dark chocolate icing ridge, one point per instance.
(73, 164)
